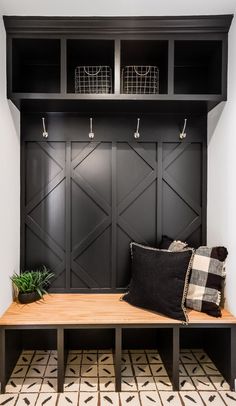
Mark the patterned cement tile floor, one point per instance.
(89, 380)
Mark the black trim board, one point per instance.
(117, 25)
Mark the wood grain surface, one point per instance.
(96, 309)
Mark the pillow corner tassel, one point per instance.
(185, 291)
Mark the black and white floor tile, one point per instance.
(87, 370)
(88, 399)
(76, 358)
(89, 385)
(139, 359)
(229, 398)
(154, 358)
(191, 398)
(89, 359)
(202, 383)
(125, 359)
(158, 370)
(90, 380)
(19, 371)
(170, 398)
(70, 399)
(213, 399)
(219, 383)
(107, 384)
(32, 385)
(71, 385)
(142, 370)
(105, 359)
(106, 370)
(51, 371)
(146, 383)
(182, 370)
(47, 399)
(150, 398)
(194, 370)
(28, 399)
(8, 399)
(36, 371)
(163, 383)
(128, 384)
(49, 385)
(14, 385)
(74, 370)
(108, 399)
(126, 370)
(129, 398)
(186, 383)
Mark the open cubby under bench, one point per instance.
(63, 313)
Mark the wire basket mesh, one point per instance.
(140, 79)
(93, 79)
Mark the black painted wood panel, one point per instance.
(84, 202)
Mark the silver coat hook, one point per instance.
(136, 134)
(45, 133)
(91, 133)
(183, 134)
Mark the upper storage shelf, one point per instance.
(89, 54)
(141, 56)
(35, 65)
(198, 67)
(159, 58)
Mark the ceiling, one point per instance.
(116, 8)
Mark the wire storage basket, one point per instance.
(93, 79)
(140, 79)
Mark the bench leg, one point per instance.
(60, 359)
(233, 357)
(2, 361)
(118, 349)
(175, 366)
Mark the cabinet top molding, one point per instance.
(29, 25)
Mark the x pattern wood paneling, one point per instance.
(90, 254)
(44, 210)
(85, 202)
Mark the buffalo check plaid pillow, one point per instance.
(206, 280)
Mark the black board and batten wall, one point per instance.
(86, 201)
(83, 201)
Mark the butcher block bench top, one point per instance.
(94, 309)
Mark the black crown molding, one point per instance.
(117, 25)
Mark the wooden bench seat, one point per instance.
(75, 311)
(67, 309)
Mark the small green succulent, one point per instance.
(33, 281)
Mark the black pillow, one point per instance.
(159, 280)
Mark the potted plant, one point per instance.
(32, 285)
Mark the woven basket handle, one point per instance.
(142, 74)
(92, 74)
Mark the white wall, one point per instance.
(9, 185)
(222, 174)
(119, 8)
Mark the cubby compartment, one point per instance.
(35, 65)
(141, 54)
(198, 67)
(97, 56)
(211, 347)
(90, 339)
